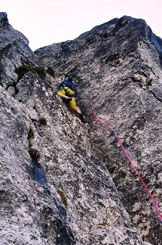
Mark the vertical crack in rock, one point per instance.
(64, 182)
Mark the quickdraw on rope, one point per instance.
(126, 154)
(156, 196)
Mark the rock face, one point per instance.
(64, 182)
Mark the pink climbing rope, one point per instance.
(126, 154)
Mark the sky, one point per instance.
(45, 22)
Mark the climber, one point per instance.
(69, 95)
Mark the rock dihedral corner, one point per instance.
(64, 182)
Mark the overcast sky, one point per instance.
(45, 22)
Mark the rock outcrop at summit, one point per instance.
(118, 65)
(64, 182)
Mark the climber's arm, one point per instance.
(61, 93)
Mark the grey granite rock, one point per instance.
(65, 182)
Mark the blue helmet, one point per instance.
(69, 82)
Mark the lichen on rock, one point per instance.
(65, 182)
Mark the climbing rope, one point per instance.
(126, 154)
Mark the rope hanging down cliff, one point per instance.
(126, 154)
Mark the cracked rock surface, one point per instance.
(64, 182)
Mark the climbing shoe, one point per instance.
(83, 118)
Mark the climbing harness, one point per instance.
(126, 154)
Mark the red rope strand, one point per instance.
(126, 154)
